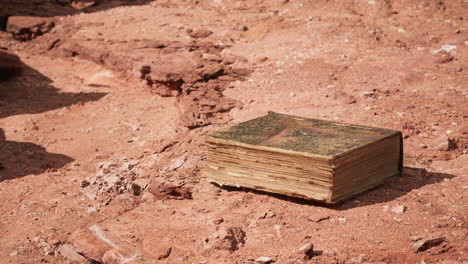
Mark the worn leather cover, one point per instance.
(300, 134)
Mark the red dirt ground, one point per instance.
(101, 136)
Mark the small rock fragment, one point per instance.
(82, 4)
(170, 191)
(264, 260)
(442, 57)
(147, 197)
(27, 27)
(226, 239)
(201, 33)
(135, 189)
(318, 218)
(116, 256)
(240, 71)
(307, 249)
(54, 242)
(217, 221)
(84, 183)
(261, 59)
(85, 242)
(165, 253)
(243, 28)
(211, 57)
(399, 209)
(445, 144)
(69, 253)
(130, 164)
(360, 259)
(426, 244)
(176, 163)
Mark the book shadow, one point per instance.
(411, 179)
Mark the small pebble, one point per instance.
(264, 260)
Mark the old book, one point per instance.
(302, 157)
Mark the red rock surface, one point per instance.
(104, 128)
(27, 27)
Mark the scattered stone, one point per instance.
(240, 71)
(165, 253)
(210, 71)
(139, 185)
(307, 249)
(112, 180)
(445, 48)
(54, 242)
(415, 238)
(426, 244)
(226, 239)
(399, 209)
(129, 165)
(260, 215)
(442, 57)
(278, 231)
(261, 59)
(69, 253)
(211, 57)
(82, 4)
(360, 259)
(318, 218)
(201, 33)
(147, 197)
(163, 145)
(264, 260)
(136, 189)
(217, 221)
(85, 183)
(118, 257)
(447, 144)
(243, 28)
(368, 93)
(87, 243)
(26, 28)
(176, 163)
(270, 214)
(170, 191)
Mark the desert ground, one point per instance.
(104, 106)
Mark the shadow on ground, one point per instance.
(412, 178)
(18, 159)
(31, 93)
(49, 8)
(23, 90)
